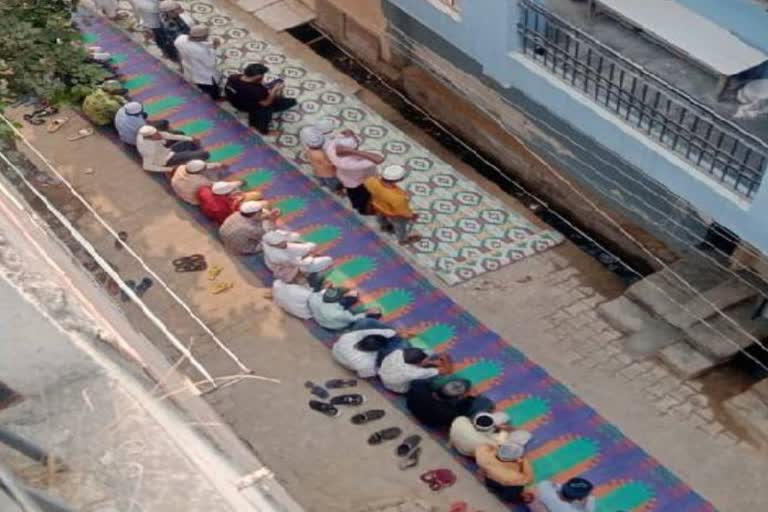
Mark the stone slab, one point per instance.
(624, 315)
(721, 339)
(656, 335)
(285, 14)
(685, 361)
(728, 293)
(750, 411)
(255, 5)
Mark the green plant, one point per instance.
(41, 53)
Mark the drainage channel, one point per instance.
(329, 50)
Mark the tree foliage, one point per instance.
(41, 53)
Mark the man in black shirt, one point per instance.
(438, 408)
(247, 92)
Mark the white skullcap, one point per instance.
(146, 130)
(222, 188)
(133, 108)
(169, 5)
(509, 452)
(252, 206)
(521, 437)
(275, 237)
(393, 172)
(347, 142)
(311, 137)
(325, 125)
(195, 166)
(198, 31)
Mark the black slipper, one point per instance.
(384, 435)
(408, 446)
(340, 383)
(130, 284)
(324, 408)
(348, 400)
(316, 390)
(143, 286)
(411, 460)
(367, 416)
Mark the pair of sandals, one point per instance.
(408, 451)
(438, 479)
(139, 289)
(193, 263)
(330, 409)
(37, 117)
(320, 391)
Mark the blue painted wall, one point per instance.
(485, 35)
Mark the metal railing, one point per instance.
(677, 121)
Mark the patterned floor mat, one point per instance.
(466, 231)
(570, 438)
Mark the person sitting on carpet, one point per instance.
(573, 496)
(198, 60)
(506, 470)
(175, 23)
(286, 256)
(292, 298)
(131, 117)
(400, 368)
(242, 231)
(437, 405)
(101, 105)
(467, 434)
(331, 308)
(353, 167)
(163, 151)
(363, 349)
(391, 204)
(188, 178)
(314, 139)
(247, 92)
(219, 200)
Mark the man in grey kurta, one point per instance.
(243, 230)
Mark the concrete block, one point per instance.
(285, 14)
(255, 5)
(624, 315)
(365, 44)
(726, 294)
(656, 335)
(720, 339)
(330, 18)
(685, 361)
(750, 411)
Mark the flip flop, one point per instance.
(54, 125)
(219, 288)
(340, 383)
(143, 286)
(194, 263)
(348, 400)
(214, 272)
(412, 460)
(459, 506)
(316, 390)
(438, 479)
(367, 416)
(387, 434)
(122, 237)
(130, 284)
(36, 121)
(81, 134)
(408, 446)
(324, 408)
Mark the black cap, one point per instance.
(255, 69)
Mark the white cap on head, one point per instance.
(521, 437)
(311, 137)
(252, 206)
(195, 166)
(198, 31)
(169, 5)
(134, 108)
(274, 237)
(325, 125)
(147, 131)
(393, 173)
(508, 452)
(222, 188)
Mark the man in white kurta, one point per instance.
(285, 256)
(198, 60)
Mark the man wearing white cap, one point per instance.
(353, 167)
(198, 60)
(242, 231)
(189, 177)
(219, 200)
(148, 14)
(314, 138)
(292, 298)
(162, 151)
(506, 470)
(131, 117)
(285, 256)
(468, 434)
(175, 23)
(332, 308)
(392, 204)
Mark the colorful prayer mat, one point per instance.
(569, 437)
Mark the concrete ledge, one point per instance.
(685, 360)
(624, 315)
(750, 410)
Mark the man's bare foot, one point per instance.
(410, 239)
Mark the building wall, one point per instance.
(600, 149)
